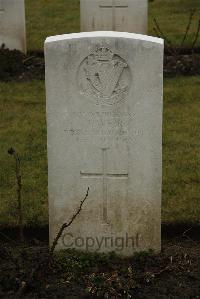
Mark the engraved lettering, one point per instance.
(102, 124)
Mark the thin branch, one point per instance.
(187, 230)
(196, 36)
(28, 58)
(65, 225)
(158, 35)
(8, 239)
(13, 153)
(187, 28)
(161, 32)
(156, 32)
(186, 236)
(44, 264)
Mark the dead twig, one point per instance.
(187, 28)
(65, 225)
(187, 237)
(7, 238)
(161, 34)
(187, 230)
(196, 35)
(13, 153)
(167, 268)
(28, 58)
(45, 264)
(158, 31)
(170, 49)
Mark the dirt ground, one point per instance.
(19, 67)
(25, 271)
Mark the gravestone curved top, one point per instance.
(104, 34)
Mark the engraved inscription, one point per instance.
(105, 76)
(105, 175)
(98, 124)
(113, 6)
(107, 126)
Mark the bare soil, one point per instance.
(26, 272)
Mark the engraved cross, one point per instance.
(104, 175)
(113, 6)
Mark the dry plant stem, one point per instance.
(65, 225)
(196, 36)
(43, 265)
(161, 33)
(171, 49)
(12, 152)
(186, 236)
(187, 29)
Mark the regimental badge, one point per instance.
(105, 76)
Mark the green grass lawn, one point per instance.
(181, 150)
(45, 18)
(22, 114)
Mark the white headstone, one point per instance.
(12, 24)
(104, 116)
(116, 15)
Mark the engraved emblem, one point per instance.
(104, 75)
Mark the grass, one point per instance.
(46, 18)
(173, 17)
(23, 126)
(181, 172)
(22, 114)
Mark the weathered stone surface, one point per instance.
(116, 15)
(104, 116)
(12, 24)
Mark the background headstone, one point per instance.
(104, 116)
(12, 24)
(116, 15)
